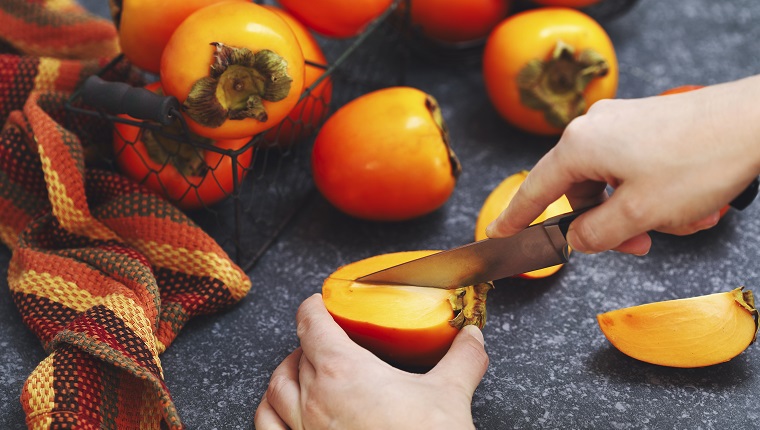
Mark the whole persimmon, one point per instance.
(385, 156)
(236, 67)
(336, 18)
(312, 108)
(145, 27)
(543, 67)
(405, 325)
(456, 21)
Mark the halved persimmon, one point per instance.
(499, 199)
(407, 326)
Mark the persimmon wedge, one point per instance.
(499, 199)
(692, 332)
(407, 326)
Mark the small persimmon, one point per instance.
(407, 326)
(499, 199)
(336, 18)
(385, 156)
(457, 21)
(692, 332)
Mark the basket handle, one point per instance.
(121, 98)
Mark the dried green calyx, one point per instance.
(166, 147)
(469, 305)
(435, 111)
(556, 86)
(239, 81)
(746, 299)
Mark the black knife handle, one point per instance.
(120, 98)
(747, 196)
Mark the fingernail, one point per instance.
(490, 230)
(475, 332)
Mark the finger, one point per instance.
(283, 394)
(321, 338)
(266, 417)
(699, 225)
(466, 361)
(610, 225)
(637, 245)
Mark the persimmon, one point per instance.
(312, 109)
(498, 200)
(336, 18)
(404, 325)
(692, 332)
(455, 21)
(185, 173)
(544, 67)
(236, 67)
(385, 156)
(145, 27)
(567, 3)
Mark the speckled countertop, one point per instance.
(551, 367)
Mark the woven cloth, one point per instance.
(104, 272)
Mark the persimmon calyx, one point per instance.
(239, 81)
(166, 146)
(435, 111)
(469, 305)
(556, 86)
(746, 299)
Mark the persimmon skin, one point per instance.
(383, 157)
(455, 21)
(336, 18)
(310, 111)
(498, 200)
(533, 34)
(189, 54)
(146, 26)
(397, 333)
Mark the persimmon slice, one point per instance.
(692, 332)
(408, 326)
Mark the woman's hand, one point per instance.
(331, 382)
(674, 161)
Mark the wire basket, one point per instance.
(265, 181)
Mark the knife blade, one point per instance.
(538, 246)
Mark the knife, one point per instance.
(538, 246)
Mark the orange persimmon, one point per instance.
(692, 332)
(546, 66)
(336, 18)
(455, 21)
(385, 156)
(406, 326)
(499, 199)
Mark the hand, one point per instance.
(331, 382)
(674, 161)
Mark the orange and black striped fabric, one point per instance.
(104, 272)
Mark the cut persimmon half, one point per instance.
(692, 332)
(499, 199)
(407, 326)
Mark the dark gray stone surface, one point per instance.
(551, 367)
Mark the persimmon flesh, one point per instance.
(407, 326)
(499, 199)
(692, 332)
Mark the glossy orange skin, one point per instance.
(413, 333)
(684, 89)
(146, 25)
(309, 113)
(458, 20)
(189, 54)
(336, 18)
(381, 157)
(191, 192)
(567, 3)
(533, 34)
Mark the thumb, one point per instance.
(466, 362)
